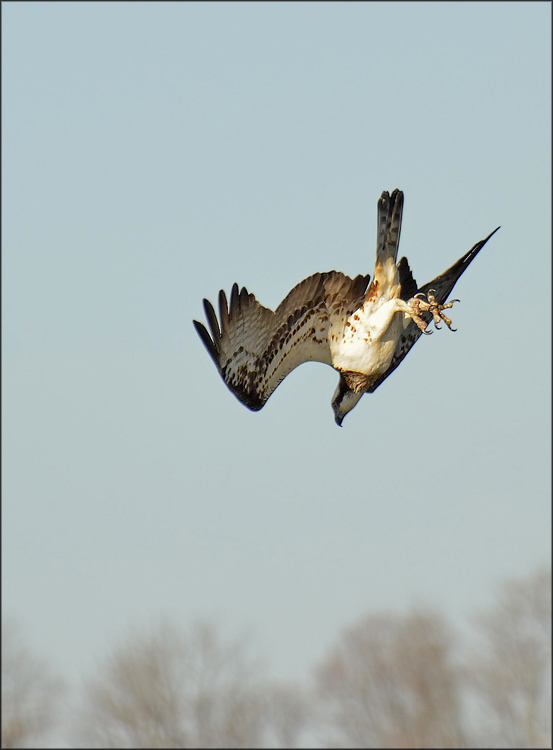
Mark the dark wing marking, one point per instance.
(443, 286)
(406, 280)
(255, 348)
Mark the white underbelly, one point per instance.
(369, 346)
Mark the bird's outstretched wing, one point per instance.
(442, 286)
(255, 348)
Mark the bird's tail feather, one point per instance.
(390, 210)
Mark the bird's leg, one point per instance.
(417, 305)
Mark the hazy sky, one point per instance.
(156, 153)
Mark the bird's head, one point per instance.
(345, 396)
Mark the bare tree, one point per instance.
(30, 692)
(288, 714)
(167, 689)
(390, 683)
(510, 673)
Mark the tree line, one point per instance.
(390, 680)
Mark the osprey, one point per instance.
(362, 330)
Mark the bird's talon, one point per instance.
(421, 303)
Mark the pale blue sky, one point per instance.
(155, 153)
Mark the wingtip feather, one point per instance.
(223, 311)
(207, 341)
(212, 320)
(234, 299)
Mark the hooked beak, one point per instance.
(338, 419)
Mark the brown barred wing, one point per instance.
(255, 348)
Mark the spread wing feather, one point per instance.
(255, 348)
(442, 286)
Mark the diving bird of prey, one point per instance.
(362, 330)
